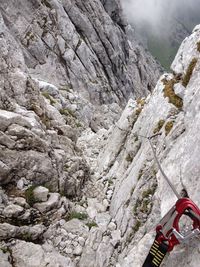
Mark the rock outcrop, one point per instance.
(79, 186)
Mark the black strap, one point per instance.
(156, 254)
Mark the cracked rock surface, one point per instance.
(78, 184)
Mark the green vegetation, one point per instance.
(159, 126)
(67, 112)
(144, 207)
(137, 205)
(110, 182)
(136, 226)
(91, 224)
(78, 125)
(76, 215)
(50, 98)
(198, 46)
(168, 127)
(29, 195)
(169, 92)
(65, 88)
(149, 191)
(189, 72)
(27, 237)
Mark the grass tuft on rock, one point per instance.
(91, 224)
(189, 72)
(168, 127)
(76, 215)
(29, 195)
(198, 46)
(159, 126)
(169, 92)
(67, 112)
(136, 227)
(50, 98)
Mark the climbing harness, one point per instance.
(168, 231)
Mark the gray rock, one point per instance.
(78, 250)
(12, 211)
(4, 259)
(179, 90)
(41, 193)
(7, 231)
(76, 227)
(116, 237)
(51, 203)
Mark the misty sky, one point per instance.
(161, 25)
(155, 12)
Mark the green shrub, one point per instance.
(29, 195)
(76, 215)
(91, 224)
(189, 72)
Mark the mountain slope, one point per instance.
(79, 186)
(141, 196)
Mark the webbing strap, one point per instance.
(156, 254)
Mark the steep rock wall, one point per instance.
(141, 196)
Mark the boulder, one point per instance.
(40, 193)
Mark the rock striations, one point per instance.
(78, 183)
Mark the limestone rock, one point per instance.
(51, 203)
(4, 259)
(12, 211)
(24, 253)
(41, 193)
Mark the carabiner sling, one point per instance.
(168, 233)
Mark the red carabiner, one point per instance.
(166, 229)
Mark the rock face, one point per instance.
(57, 61)
(141, 195)
(79, 186)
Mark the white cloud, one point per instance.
(156, 12)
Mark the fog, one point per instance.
(161, 25)
(158, 13)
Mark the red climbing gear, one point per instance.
(169, 232)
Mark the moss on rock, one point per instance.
(189, 72)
